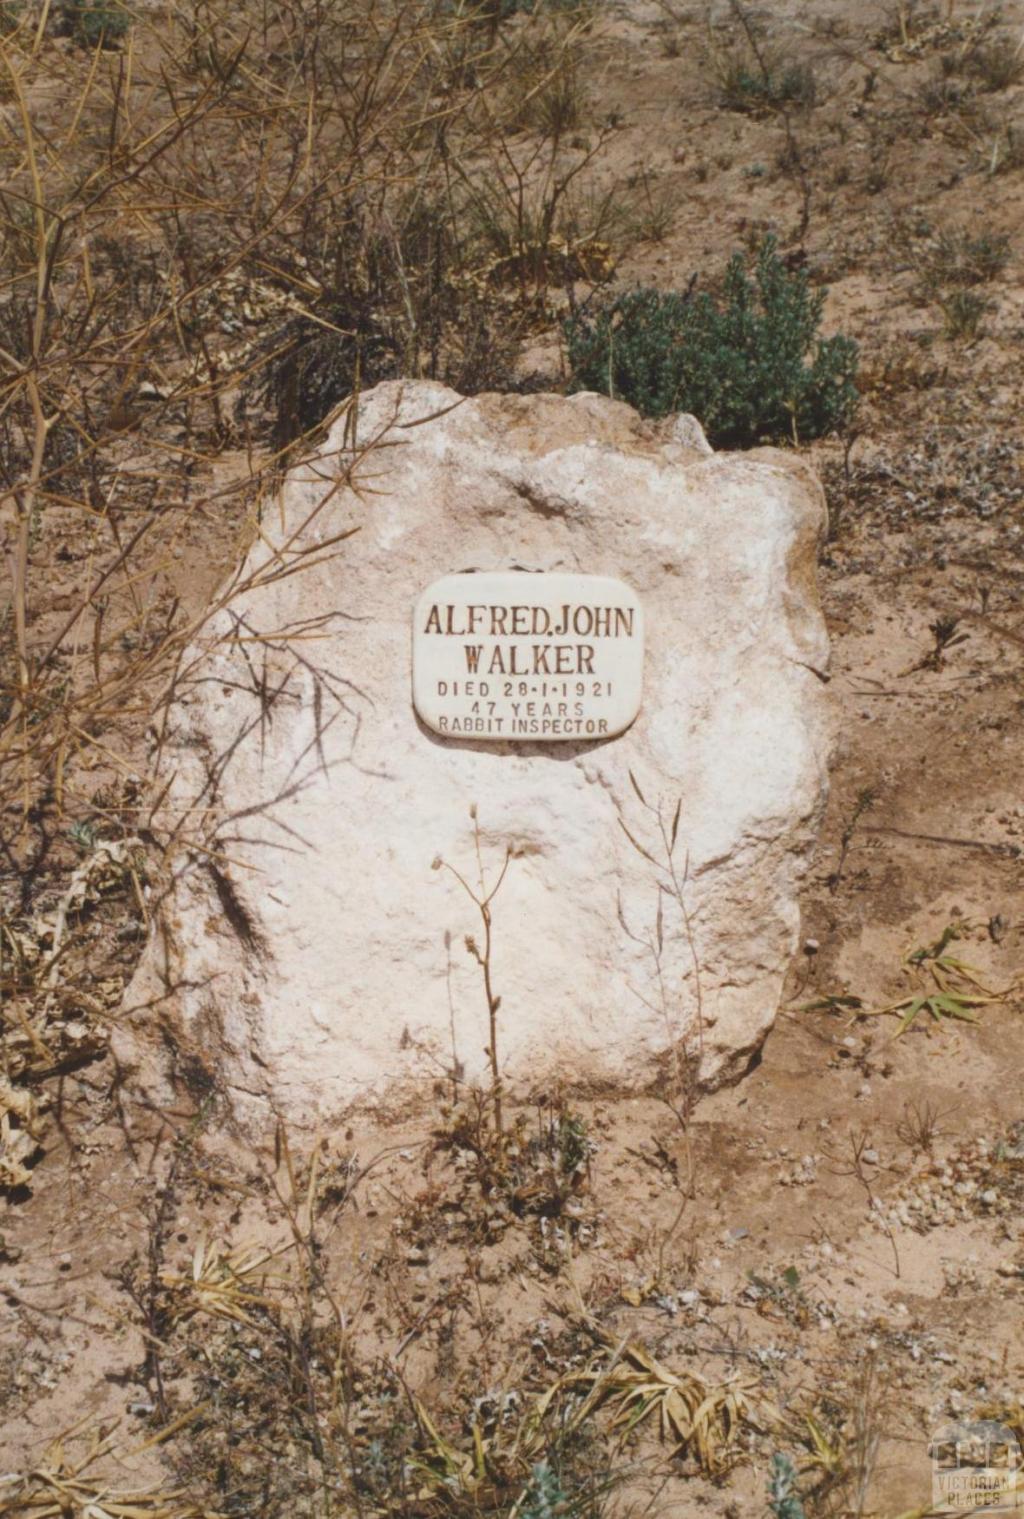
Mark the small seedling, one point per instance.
(957, 991)
(83, 835)
(97, 24)
(783, 1496)
(783, 1293)
(945, 630)
(654, 212)
(865, 800)
(940, 1005)
(757, 90)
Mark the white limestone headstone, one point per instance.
(306, 955)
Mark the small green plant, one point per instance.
(654, 210)
(946, 633)
(953, 990)
(863, 802)
(760, 88)
(783, 1290)
(956, 257)
(83, 835)
(103, 23)
(783, 1497)
(755, 79)
(951, 263)
(544, 1497)
(750, 366)
(1004, 153)
(963, 312)
(949, 989)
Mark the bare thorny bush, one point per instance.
(217, 224)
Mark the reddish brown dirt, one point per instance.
(896, 1322)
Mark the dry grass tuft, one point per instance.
(222, 1283)
(61, 1487)
(700, 1420)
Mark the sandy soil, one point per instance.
(841, 1228)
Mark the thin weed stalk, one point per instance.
(686, 1054)
(482, 897)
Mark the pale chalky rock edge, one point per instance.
(323, 966)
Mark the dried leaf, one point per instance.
(638, 847)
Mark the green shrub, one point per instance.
(92, 22)
(750, 366)
(783, 1494)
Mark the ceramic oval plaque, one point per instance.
(509, 656)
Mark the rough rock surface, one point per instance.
(308, 956)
